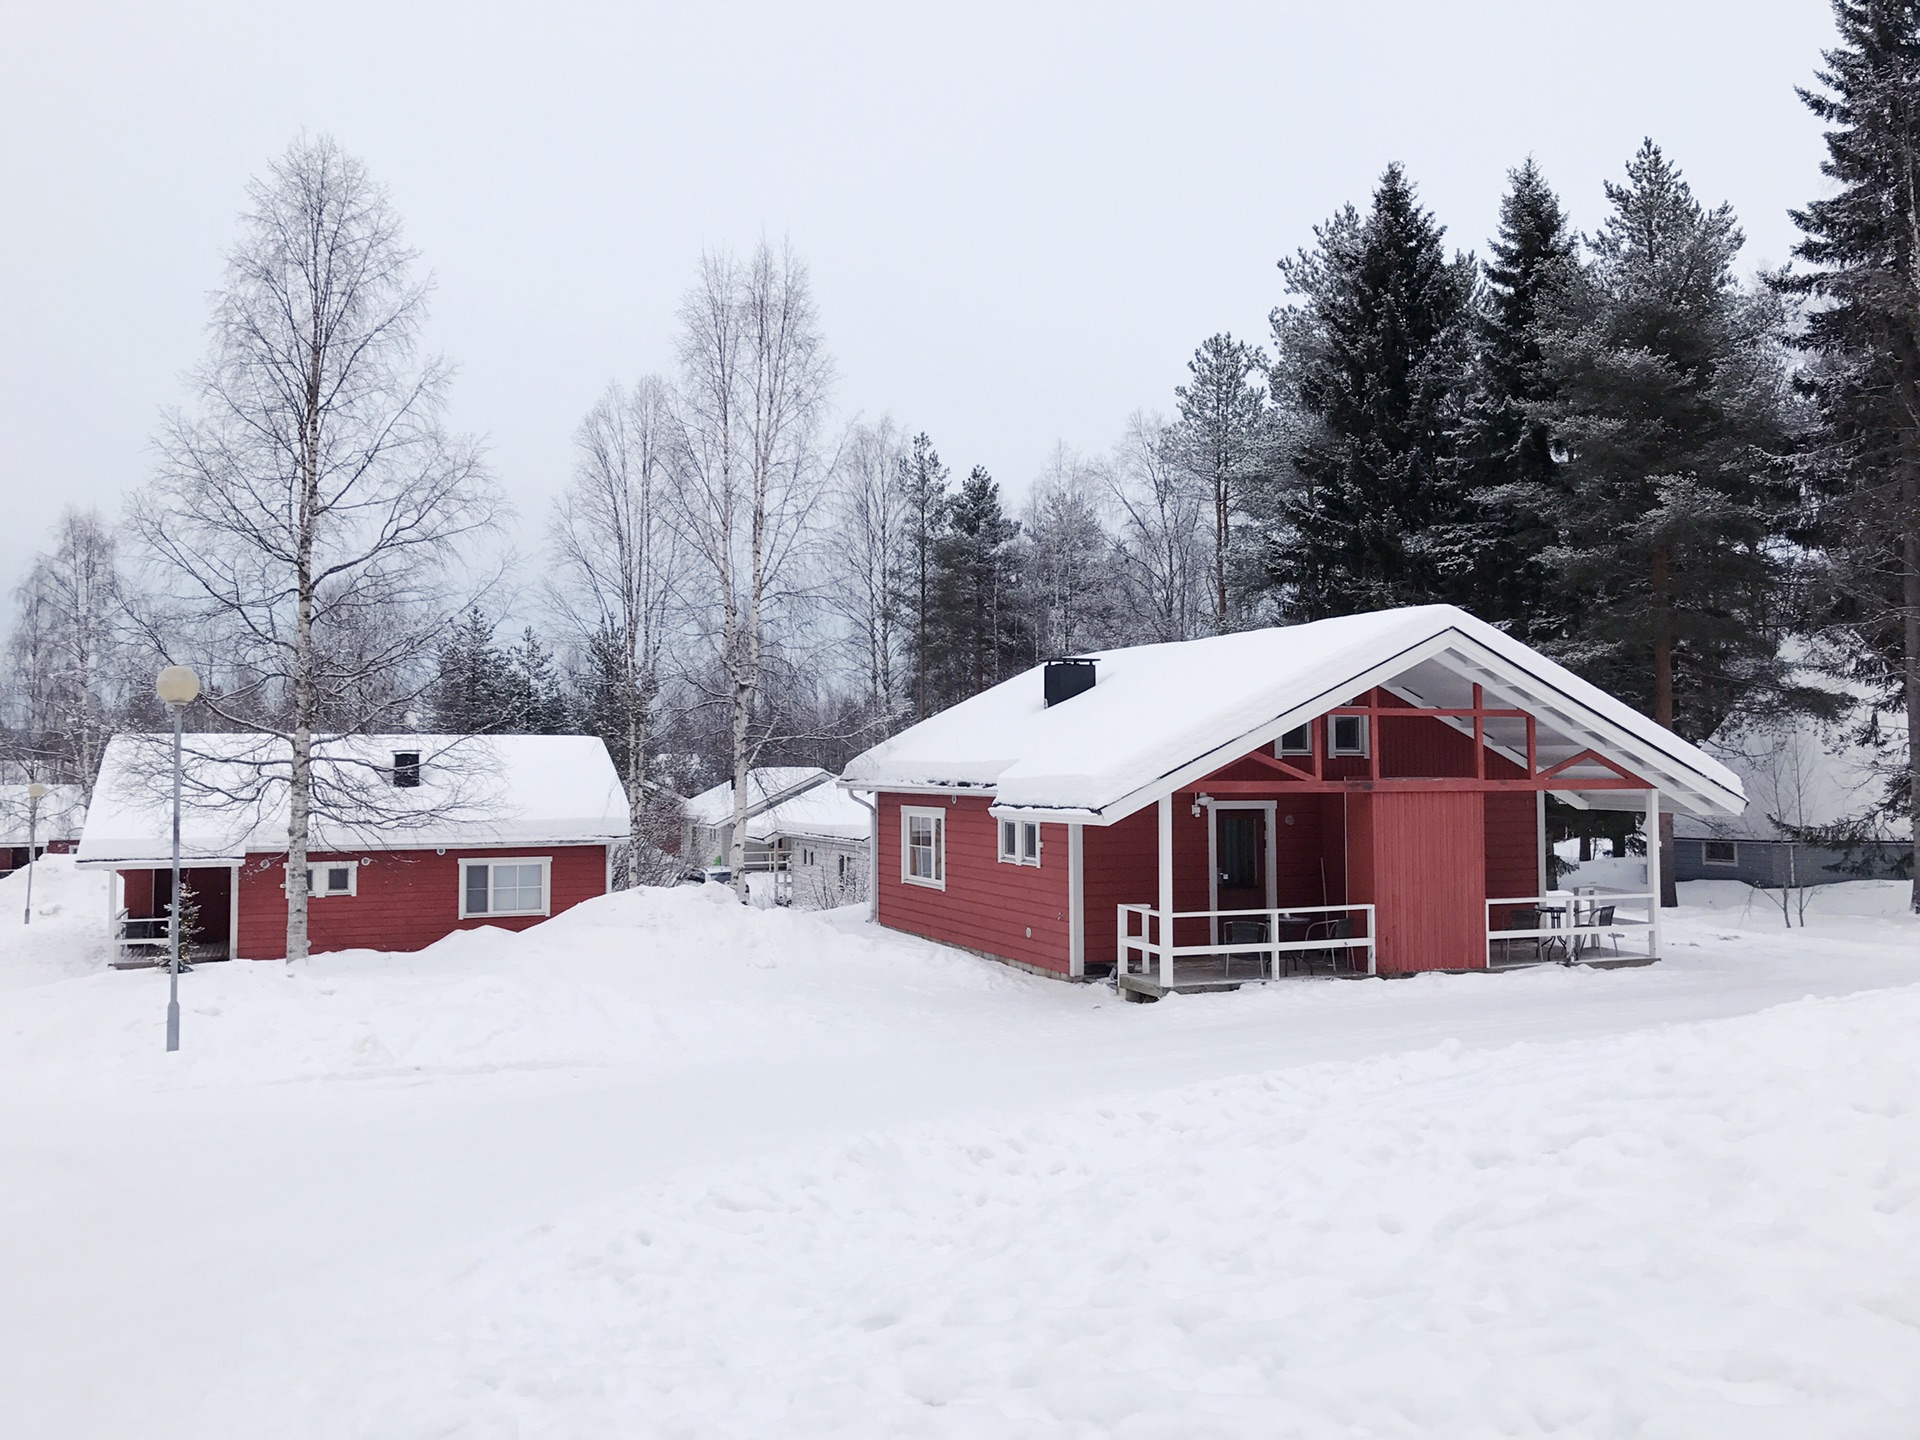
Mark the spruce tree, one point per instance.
(1508, 444)
(535, 703)
(1370, 372)
(1863, 242)
(472, 689)
(1669, 403)
(923, 484)
(975, 635)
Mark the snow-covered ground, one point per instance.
(667, 1166)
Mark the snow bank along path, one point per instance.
(669, 1167)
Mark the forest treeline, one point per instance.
(1693, 485)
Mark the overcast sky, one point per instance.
(1020, 219)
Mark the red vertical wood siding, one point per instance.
(407, 899)
(1513, 850)
(1429, 877)
(987, 905)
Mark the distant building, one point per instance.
(802, 830)
(52, 824)
(417, 836)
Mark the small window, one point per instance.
(806, 858)
(503, 887)
(843, 867)
(923, 848)
(1019, 842)
(329, 878)
(406, 769)
(1347, 734)
(1719, 852)
(1297, 741)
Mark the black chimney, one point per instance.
(1067, 678)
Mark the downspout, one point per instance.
(873, 856)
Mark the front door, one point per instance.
(1240, 864)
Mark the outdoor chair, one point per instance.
(1243, 931)
(1599, 918)
(1340, 928)
(1541, 947)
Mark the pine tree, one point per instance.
(1863, 240)
(1223, 441)
(923, 483)
(1670, 394)
(1508, 444)
(472, 687)
(975, 637)
(1370, 372)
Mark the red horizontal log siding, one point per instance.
(407, 899)
(987, 906)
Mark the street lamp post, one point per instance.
(177, 688)
(36, 792)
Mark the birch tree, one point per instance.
(306, 511)
(618, 571)
(754, 389)
(869, 561)
(66, 646)
(1163, 515)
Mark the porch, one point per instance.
(1333, 941)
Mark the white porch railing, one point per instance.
(1573, 927)
(1297, 934)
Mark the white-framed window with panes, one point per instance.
(1297, 741)
(331, 878)
(1719, 852)
(923, 847)
(1346, 735)
(508, 885)
(1019, 842)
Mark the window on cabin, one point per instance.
(503, 887)
(1019, 842)
(1720, 852)
(1347, 734)
(328, 878)
(923, 848)
(406, 769)
(1297, 741)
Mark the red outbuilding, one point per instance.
(1362, 795)
(412, 837)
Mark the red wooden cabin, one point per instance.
(1355, 796)
(414, 837)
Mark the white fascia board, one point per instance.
(923, 787)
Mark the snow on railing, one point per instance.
(1571, 926)
(1274, 923)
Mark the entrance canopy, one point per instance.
(1159, 718)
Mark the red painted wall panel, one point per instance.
(1429, 876)
(407, 899)
(986, 905)
(1513, 850)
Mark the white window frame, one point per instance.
(1333, 732)
(352, 867)
(1305, 747)
(1733, 853)
(1020, 843)
(545, 862)
(908, 814)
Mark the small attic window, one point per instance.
(1297, 741)
(406, 769)
(1347, 734)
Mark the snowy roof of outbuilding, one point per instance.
(489, 790)
(824, 812)
(767, 785)
(1161, 717)
(60, 814)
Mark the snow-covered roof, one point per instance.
(474, 791)
(767, 785)
(61, 813)
(824, 812)
(1801, 773)
(1161, 717)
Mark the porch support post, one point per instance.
(1540, 827)
(233, 913)
(1653, 870)
(1076, 901)
(1166, 890)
